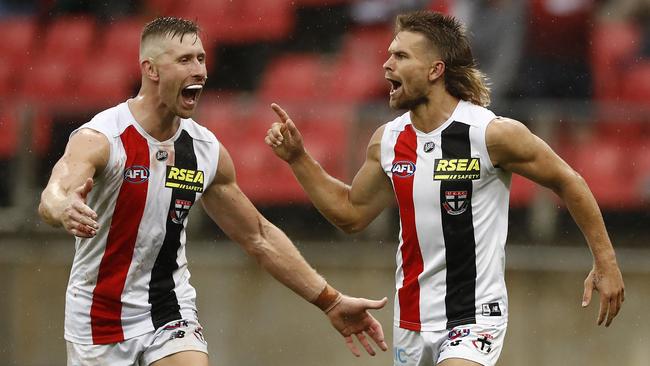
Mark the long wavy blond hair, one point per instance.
(463, 79)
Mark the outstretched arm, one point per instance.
(239, 219)
(514, 148)
(63, 202)
(351, 208)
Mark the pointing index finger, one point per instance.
(280, 112)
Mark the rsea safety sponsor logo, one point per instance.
(136, 174)
(185, 179)
(457, 169)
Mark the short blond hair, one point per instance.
(165, 27)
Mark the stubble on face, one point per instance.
(171, 84)
(413, 72)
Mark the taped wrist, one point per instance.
(328, 299)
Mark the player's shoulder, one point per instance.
(506, 127)
(473, 114)
(398, 123)
(198, 132)
(110, 122)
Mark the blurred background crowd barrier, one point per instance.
(576, 72)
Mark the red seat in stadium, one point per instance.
(226, 21)
(221, 116)
(326, 130)
(609, 170)
(121, 44)
(6, 79)
(622, 130)
(266, 179)
(48, 82)
(614, 44)
(295, 77)
(16, 48)
(356, 80)
(358, 73)
(369, 43)
(163, 7)
(219, 19)
(268, 20)
(522, 191)
(69, 39)
(103, 83)
(41, 131)
(636, 84)
(10, 127)
(319, 2)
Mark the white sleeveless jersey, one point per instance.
(132, 277)
(453, 207)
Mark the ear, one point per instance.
(436, 70)
(149, 69)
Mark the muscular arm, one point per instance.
(63, 200)
(349, 207)
(239, 219)
(514, 148)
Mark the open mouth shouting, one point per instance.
(395, 86)
(191, 93)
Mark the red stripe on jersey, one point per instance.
(412, 263)
(106, 310)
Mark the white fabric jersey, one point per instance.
(132, 277)
(453, 222)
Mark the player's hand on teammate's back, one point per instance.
(609, 284)
(283, 137)
(350, 317)
(77, 218)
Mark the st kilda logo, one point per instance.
(456, 202)
(403, 169)
(180, 211)
(136, 174)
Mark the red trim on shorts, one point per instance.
(412, 263)
(106, 309)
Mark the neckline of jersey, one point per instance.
(439, 129)
(146, 135)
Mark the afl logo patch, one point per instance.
(403, 169)
(162, 155)
(429, 146)
(136, 174)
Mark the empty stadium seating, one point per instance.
(17, 47)
(294, 77)
(69, 39)
(613, 47)
(77, 63)
(121, 45)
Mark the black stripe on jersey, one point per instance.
(458, 232)
(163, 300)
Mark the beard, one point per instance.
(409, 103)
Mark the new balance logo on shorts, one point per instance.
(491, 309)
